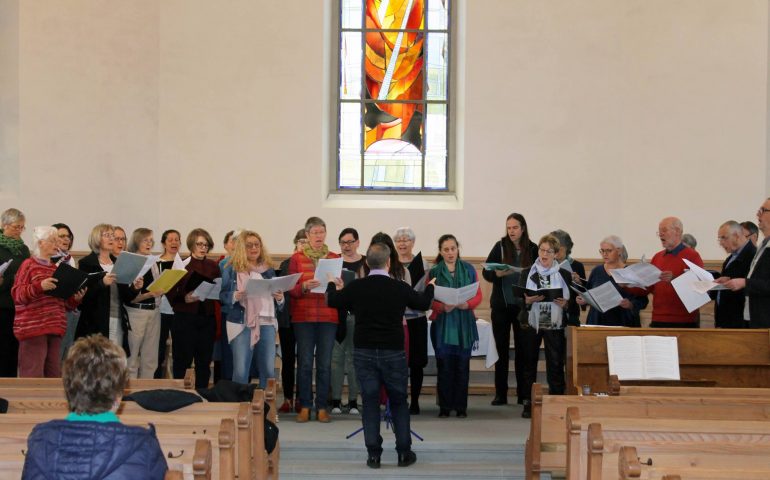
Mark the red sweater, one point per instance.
(308, 307)
(37, 314)
(666, 305)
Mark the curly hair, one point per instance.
(94, 375)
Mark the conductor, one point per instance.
(378, 303)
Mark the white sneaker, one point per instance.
(336, 411)
(354, 411)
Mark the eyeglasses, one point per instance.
(402, 240)
(148, 241)
(119, 239)
(547, 250)
(722, 238)
(606, 251)
(108, 235)
(249, 246)
(17, 227)
(347, 243)
(762, 211)
(203, 245)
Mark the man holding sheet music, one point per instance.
(756, 284)
(378, 303)
(728, 309)
(667, 308)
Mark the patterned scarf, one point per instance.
(315, 255)
(14, 245)
(456, 331)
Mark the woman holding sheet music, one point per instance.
(516, 250)
(143, 312)
(251, 320)
(544, 321)
(170, 240)
(101, 310)
(614, 254)
(315, 324)
(193, 327)
(453, 332)
(40, 319)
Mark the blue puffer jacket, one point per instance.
(61, 449)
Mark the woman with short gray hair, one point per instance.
(12, 248)
(41, 318)
(614, 254)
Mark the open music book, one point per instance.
(648, 357)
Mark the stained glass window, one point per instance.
(393, 95)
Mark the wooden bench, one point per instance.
(616, 388)
(546, 448)
(723, 357)
(696, 447)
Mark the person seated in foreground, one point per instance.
(91, 443)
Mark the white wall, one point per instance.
(599, 117)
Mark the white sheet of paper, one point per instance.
(151, 260)
(706, 286)
(606, 296)
(625, 359)
(5, 266)
(685, 288)
(661, 357)
(208, 290)
(267, 286)
(127, 266)
(179, 264)
(455, 296)
(324, 267)
(699, 272)
(648, 357)
(642, 274)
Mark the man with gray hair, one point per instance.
(756, 283)
(378, 303)
(668, 311)
(728, 309)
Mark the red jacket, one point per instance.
(308, 307)
(666, 305)
(37, 314)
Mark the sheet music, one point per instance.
(606, 296)
(208, 290)
(151, 260)
(639, 274)
(127, 266)
(455, 296)
(684, 285)
(624, 355)
(256, 287)
(703, 275)
(648, 357)
(5, 266)
(325, 266)
(707, 286)
(661, 357)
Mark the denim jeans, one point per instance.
(263, 353)
(342, 363)
(314, 338)
(375, 368)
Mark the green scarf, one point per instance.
(315, 255)
(456, 333)
(15, 246)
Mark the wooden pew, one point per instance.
(723, 357)
(616, 388)
(711, 448)
(546, 448)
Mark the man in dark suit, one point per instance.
(756, 284)
(728, 309)
(378, 303)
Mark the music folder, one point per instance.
(71, 280)
(550, 294)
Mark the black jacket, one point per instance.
(95, 307)
(728, 313)
(496, 300)
(92, 450)
(6, 302)
(758, 292)
(378, 303)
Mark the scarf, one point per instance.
(315, 255)
(255, 307)
(546, 313)
(456, 331)
(14, 245)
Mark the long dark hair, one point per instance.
(509, 249)
(443, 238)
(397, 270)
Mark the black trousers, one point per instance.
(288, 360)
(193, 339)
(503, 320)
(165, 329)
(418, 354)
(555, 357)
(9, 346)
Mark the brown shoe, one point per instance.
(303, 416)
(323, 416)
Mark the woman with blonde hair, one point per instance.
(251, 321)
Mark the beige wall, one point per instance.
(599, 117)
